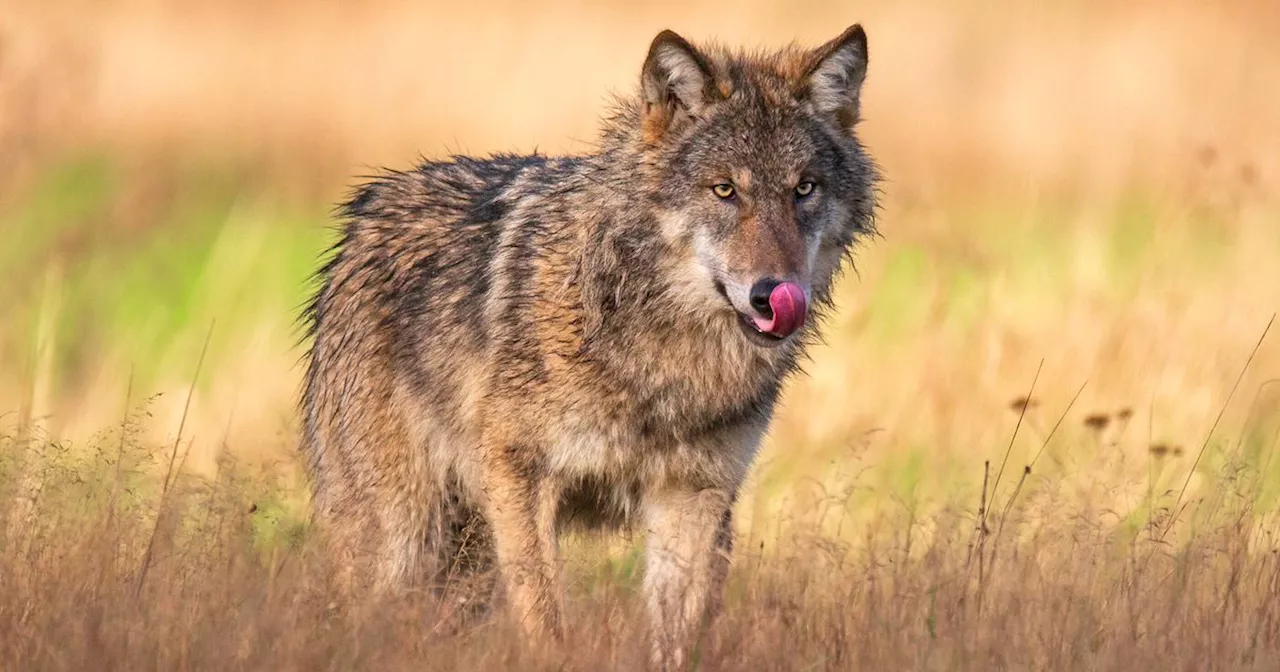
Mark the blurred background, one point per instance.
(1090, 187)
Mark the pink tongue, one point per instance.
(789, 306)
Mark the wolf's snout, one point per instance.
(760, 293)
(780, 307)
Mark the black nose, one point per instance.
(760, 293)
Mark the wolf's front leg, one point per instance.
(690, 540)
(521, 505)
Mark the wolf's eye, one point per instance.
(804, 189)
(723, 190)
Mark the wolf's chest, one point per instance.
(623, 449)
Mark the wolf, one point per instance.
(505, 347)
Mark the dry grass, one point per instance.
(1098, 94)
(113, 568)
(1080, 193)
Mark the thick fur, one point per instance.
(503, 346)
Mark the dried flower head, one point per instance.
(1022, 404)
(1097, 421)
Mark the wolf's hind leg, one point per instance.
(375, 542)
(521, 506)
(374, 502)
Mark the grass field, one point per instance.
(1041, 435)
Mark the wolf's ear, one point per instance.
(676, 84)
(833, 80)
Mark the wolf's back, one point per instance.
(401, 303)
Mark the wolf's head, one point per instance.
(758, 176)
